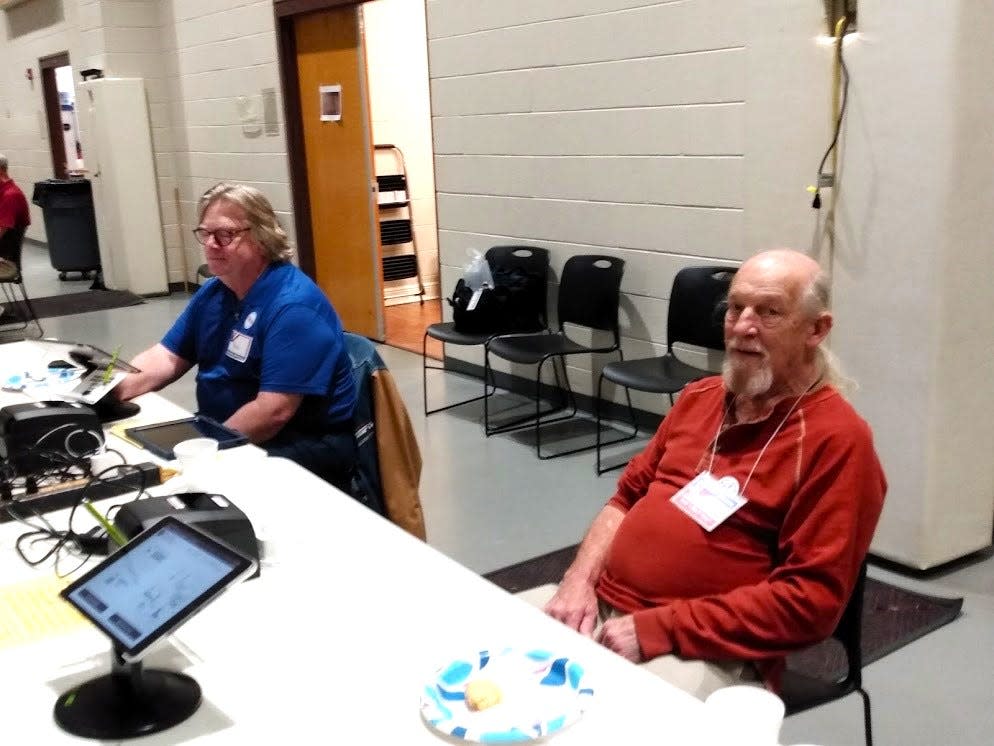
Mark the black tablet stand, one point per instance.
(128, 702)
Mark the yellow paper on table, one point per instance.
(32, 610)
(119, 429)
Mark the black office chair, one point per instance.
(19, 313)
(589, 293)
(530, 259)
(801, 691)
(694, 317)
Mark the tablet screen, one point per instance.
(154, 583)
(161, 438)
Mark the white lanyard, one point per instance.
(724, 414)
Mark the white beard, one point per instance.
(741, 382)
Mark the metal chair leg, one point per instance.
(867, 722)
(634, 422)
(519, 423)
(487, 392)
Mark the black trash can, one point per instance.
(71, 227)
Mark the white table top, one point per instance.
(336, 639)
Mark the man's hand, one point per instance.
(575, 605)
(618, 634)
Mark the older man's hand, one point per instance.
(618, 634)
(575, 605)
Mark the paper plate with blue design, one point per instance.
(540, 694)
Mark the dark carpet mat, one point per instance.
(892, 616)
(66, 305)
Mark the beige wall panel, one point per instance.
(133, 39)
(235, 81)
(643, 32)
(680, 229)
(682, 79)
(681, 130)
(249, 51)
(709, 182)
(232, 24)
(453, 17)
(126, 13)
(193, 9)
(229, 139)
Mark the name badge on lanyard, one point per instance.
(709, 501)
(239, 346)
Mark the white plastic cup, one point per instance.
(744, 716)
(197, 459)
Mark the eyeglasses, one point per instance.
(222, 237)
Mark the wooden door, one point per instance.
(339, 166)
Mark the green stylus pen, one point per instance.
(112, 531)
(110, 366)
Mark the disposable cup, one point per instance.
(744, 716)
(197, 459)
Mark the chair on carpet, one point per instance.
(529, 259)
(801, 692)
(589, 295)
(18, 312)
(694, 317)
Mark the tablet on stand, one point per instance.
(138, 596)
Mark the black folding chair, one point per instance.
(18, 312)
(695, 317)
(530, 259)
(801, 691)
(589, 293)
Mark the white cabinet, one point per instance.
(117, 142)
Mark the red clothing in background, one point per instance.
(776, 575)
(14, 211)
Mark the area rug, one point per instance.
(73, 303)
(892, 616)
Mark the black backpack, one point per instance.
(514, 304)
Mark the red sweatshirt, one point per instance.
(776, 575)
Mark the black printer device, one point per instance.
(213, 514)
(34, 434)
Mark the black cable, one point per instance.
(816, 201)
(81, 545)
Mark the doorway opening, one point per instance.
(384, 279)
(400, 108)
(60, 113)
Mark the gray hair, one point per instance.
(3, 162)
(816, 299)
(262, 218)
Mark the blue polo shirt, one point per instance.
(284, 337)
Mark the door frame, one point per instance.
(53, 111)
(286, 55)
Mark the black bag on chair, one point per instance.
(514, 304)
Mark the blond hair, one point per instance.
(258, 211)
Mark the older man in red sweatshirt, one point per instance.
(737, 535)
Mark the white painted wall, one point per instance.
(400, 107)
(29, 32)
(670, 133)
(222, 111)
(212, 84)
(653, 131)
(914, 301)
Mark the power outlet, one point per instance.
(826, 181)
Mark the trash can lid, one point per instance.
(59, 186)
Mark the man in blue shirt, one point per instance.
(268, 345)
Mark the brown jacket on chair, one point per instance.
(399, 455)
